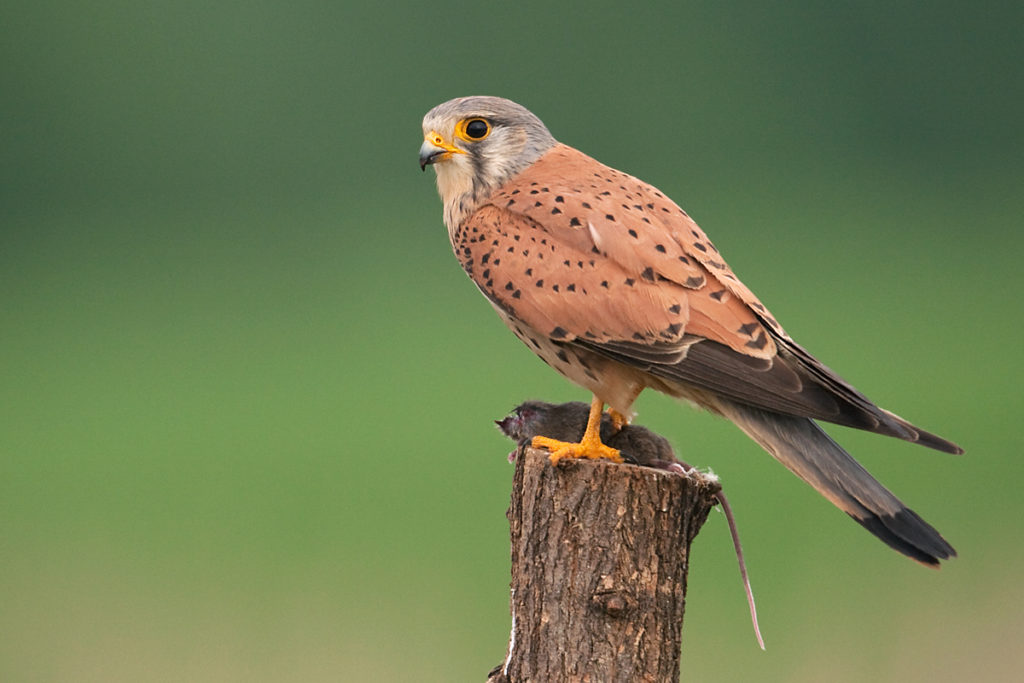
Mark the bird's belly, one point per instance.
(616, 384)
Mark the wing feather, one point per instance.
(592, 256)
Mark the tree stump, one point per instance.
(600, 553)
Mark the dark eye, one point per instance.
(477, 129)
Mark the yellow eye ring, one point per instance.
(474, 129)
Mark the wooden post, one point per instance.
(600, 553)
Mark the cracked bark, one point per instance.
(600, 553)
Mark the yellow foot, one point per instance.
(588, 448)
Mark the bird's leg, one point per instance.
(618, 419)
(590, 445)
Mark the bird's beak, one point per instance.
(434, 149)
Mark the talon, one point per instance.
(567, 449)
(590, 445)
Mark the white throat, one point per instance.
(455, 185)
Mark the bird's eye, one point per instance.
(476, 129)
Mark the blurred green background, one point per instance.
(246, 392)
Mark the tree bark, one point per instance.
(600, 553)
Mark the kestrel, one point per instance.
(618, 289)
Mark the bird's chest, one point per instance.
(511, 259)
(469, 244)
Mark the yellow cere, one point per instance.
(436, 139)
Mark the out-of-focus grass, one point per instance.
(232, 460)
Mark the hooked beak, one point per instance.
(435, 149)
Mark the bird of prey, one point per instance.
(617, 288)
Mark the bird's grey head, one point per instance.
(476, 144)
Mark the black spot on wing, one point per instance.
(694, 282)
(759, 343)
